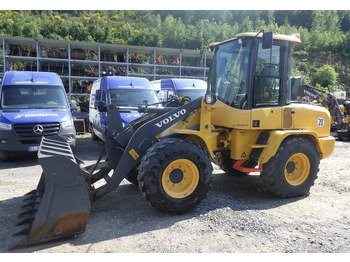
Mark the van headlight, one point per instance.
(5, 126)
(68, 123)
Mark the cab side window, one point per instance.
(267, 78)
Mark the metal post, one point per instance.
(127, 61)
(99, 61)
(3, 54)
(38, 53)
(69, 73)
(154, 64)
(180, 58)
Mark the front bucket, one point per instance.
(60, 205)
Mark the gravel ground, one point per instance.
(238, 215)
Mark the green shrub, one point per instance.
(325, 76)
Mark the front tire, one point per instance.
(175, 175)
(293, 170)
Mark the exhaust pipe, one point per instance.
(60, 205)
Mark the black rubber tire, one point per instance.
(225, 162)
(155, 161)
(273, 174)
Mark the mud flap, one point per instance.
(60, 205)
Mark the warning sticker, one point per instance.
(134, 154)
(244, 154)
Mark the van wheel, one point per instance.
(4, 156)
(93, 135)
(175, 175)
(293, 170)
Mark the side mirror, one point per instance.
(267, 40)
(101, 106)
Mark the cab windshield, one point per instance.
(23, 97)
(229, 71)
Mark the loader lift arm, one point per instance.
(327, 99)
(47, 214)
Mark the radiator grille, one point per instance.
(27, 130)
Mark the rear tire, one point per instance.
(293, 170)
(175, 175)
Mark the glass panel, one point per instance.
(267, 77)
(16, 97)
(228, 79)
(132, 97)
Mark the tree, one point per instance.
(325, 76)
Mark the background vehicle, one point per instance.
(193, 88)
(339, 108)
(33, 104)
(127, 93)
(245, 123)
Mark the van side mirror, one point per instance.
(101, 106)
(267, 40)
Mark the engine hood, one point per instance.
(128, 115)
(14, 116)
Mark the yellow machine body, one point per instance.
(222, 127)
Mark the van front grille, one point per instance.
(41, 129)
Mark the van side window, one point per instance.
(162, 95)
(103, 96)
(98, 95)
(170, 94)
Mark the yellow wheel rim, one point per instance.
(180, 178)
(297, 169)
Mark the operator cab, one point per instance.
(252, 70)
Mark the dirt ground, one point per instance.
(237, 216)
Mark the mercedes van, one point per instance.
(166, 88)
(33, 104)
(127, 93)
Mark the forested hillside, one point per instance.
(325, 34)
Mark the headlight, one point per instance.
(209, 98)
(67, 123)
(4, 126)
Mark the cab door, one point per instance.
(269, 83)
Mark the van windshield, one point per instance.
(22, 97)
(191, 93)
(132, 97)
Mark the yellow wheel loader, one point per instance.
(246, 122)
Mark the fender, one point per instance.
(324, 145)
